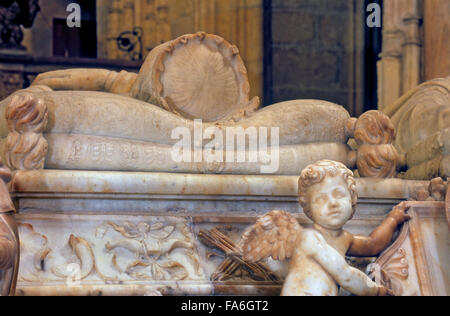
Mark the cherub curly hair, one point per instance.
(315, 173)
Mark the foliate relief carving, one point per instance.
(113, 252)
(26, 147)
(374, 134)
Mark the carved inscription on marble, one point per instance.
(85, 149)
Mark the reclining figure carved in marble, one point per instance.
(124, 122)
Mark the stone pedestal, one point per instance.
(122, 233)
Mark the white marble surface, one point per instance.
(67, 181)
(59, 204)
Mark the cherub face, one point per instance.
(330, 203)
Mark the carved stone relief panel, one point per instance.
(85, 251)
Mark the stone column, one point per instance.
(389, 69)
(224, 20)
(149, 25)
(204, 11)
(254, 50)
(399, 69)
(138, 7)
(437, 39)
(114, 28)
(127, 18)
(412, 47)
(163, 29)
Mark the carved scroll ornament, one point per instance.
(26, 147)
(374, 134)
(392, 267)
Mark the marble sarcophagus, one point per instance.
(116, 193)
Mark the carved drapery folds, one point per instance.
(447, 206)
(9, 254)
(9, 238)
(26, 147)
(422, 121)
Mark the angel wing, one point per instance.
(274, 235)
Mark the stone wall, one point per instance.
(316, 51)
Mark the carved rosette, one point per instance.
(25, 147)
(374, 134)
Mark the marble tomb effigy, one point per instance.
(103, 208)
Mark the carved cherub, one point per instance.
(327, 193)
